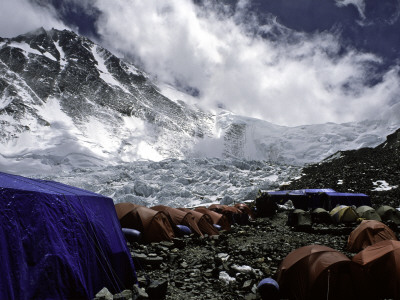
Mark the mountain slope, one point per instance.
(58, 88)
(66, 102)
(373, 171)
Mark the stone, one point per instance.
(124, 295)
(247, 284)
(154, 261)
(250, 296)
(139, 293)
(157, 289)
(104, 294)
(167, 244)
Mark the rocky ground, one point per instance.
(230, 265)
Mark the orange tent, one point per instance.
(179, 217)
(216, 218)
(154, 225)
(233, 214)
(203, 221)
(317, 272)
(245, 208)
(381, 262)
(220, 208)
(368, 233)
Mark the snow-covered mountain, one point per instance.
(66, 102)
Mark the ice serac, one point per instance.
(66, 102)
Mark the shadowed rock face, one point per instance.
(73, 69)
(366, 170)
(89, 84)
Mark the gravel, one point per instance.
(230, 265)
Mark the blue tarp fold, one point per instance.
(59, 242)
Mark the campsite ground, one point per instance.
(230, 266)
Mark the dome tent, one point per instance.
(389, 214)
(344, 214)
(217, 218)
(368, 213)
(154, 225)
(59, 242)
(179, 217)
(232, 213)
(368, 233)
(317, 272)
(204, 221)
(381, 262)
(299, 218)
(321, 216)
(245, 209)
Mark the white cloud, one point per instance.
(20, 16)
(292, 79)
(359, 4)
(295, 80)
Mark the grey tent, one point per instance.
(368, 213)
(389, 214)
(321, 216)
(299, 218)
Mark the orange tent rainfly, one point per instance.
(381, 261)
(179, 217)
(154, 225)
(232, 213)
(317, 272)
(203, 221)
(245, 209)
(216, 218)
(368, 233)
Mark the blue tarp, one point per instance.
(332, 199)
(302, 199)
(308, 198)
(59, 242)
(313, 198)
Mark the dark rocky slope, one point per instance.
(357, 171)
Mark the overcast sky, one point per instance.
(291, 79)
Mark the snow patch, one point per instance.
(382, 185)
(63, 62)
(225, 278)
(104, 73)
(173, 94)
(26, 48)
(133, 70)
(243, 269)
(50, 56)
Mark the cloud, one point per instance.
(259, 70)
(293, 79)
(359, 4)
(20, 16)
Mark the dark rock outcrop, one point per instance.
(365, 170)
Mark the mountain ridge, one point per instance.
(66, 102)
